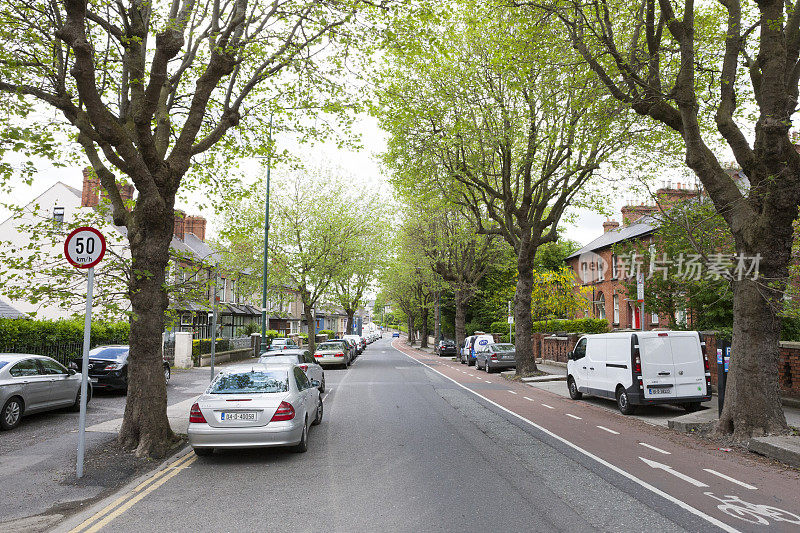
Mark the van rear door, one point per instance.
(658, 369)
(687, 355)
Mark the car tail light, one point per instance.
(641, 386)
(637, 360)
(196, 415)
(494, 357)
(318, 355)
(285, 411)
(304, 367)
(340, 354)
(705, 355)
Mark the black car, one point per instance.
(108, 367)
(445, 348)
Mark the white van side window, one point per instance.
(580, 349)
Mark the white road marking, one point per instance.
(512, 392)
(609, 430)
(487, 381)
(723, 476)
(548, 406)
(529, 399)
(575, 417)
(644, 484)
(667, 468)
(659, 450)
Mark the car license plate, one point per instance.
(234, 417)
(93, 380)
(665, 390)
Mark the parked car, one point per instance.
(282, 343)
(33, 383)
(301, 358)
(445, 347)
(334, 353)
(395, 334)
(108, 367)
(356, 342)
(645, 367)
(255, 405)
(494, 356)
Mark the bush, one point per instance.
(579, 325)
(249, 328)
(203, 346)
(500, 327)
(20, 332)
(329, 332)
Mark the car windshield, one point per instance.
(503, 347)
(109, 352)
(272, 359)
(255, 381)
(326, 346)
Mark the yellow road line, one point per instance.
(176, 465)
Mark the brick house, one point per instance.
(595, 265)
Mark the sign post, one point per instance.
(84, 248)
(640, 297)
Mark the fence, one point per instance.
(63, 352)
(240, 342)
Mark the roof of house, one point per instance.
(643, 226)
(9, 311)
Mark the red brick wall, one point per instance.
(789, 369)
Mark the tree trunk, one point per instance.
(461, 319)
(437, 319)
(145, 426)
(752, 399)
(410, 322)
(350, 313)
(423, 339)
(308, 311)
(526, 364)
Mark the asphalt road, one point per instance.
(37, 459)
(405, 448)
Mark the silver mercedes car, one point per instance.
(255, 405)
(33, 383)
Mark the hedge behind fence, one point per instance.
(14, 331)
(579, 325)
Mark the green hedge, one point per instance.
(203, 346)
(34, 332)
(499, 327)
(579, 325)
(329, 332)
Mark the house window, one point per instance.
(601, 305)
(234, 297)
(654, 318)
(600, 274)
(186, 319)
(584, 276)
(616, 309)
(58, 215)
(613, 266)
(680, 317)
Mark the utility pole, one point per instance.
(266, 249)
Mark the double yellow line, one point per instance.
(128, 500)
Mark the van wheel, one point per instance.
(574, 393)
(691, 407)
(623, 402)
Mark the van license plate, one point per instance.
(659, 391)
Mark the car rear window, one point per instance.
(503, 347)
(256, 381)
(329, 346)
(115, 352)
(272, 359)
(3, 363)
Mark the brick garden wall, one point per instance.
(552, 347)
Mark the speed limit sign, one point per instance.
(84, 247)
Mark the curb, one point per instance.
(785, 449)
(79, 518)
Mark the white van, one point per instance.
(641, 368)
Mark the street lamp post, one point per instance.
(266, 247)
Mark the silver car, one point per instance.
(33, 383)
(495, 356)
(300, 357)
(333, 353)
(255, 405)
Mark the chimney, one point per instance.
(91, 187)
(178, 227)
(126, 191)
(632, 213)
(197, 226)
(608, 225)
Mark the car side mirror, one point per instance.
(314, 383)
(72, 371)
(571, 355)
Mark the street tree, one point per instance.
(503, 123)
(718, 77)
(149, 90)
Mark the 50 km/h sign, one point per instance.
(84, 247)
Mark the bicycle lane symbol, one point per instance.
(753, 512)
